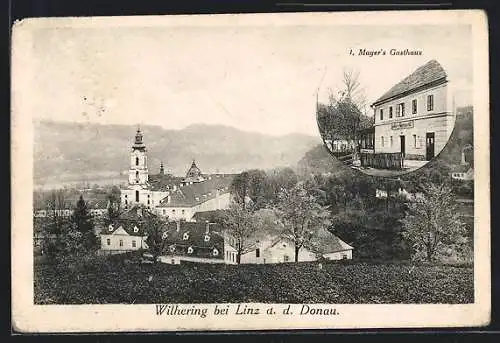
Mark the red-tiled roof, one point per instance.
(429, 73)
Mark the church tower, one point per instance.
(138, 172)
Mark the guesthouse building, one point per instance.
(415, 116)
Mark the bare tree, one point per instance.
(56, 205)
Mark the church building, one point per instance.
(177, 198)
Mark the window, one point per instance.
(137, 196)
(185, 236)
(164, 212)
(108, 241)
(344, 256)
(400, 110)
(136, 229)
(133, 244)
(390, 112)
(382, 140)
(125, 195)
(173, 261)
(430, 102)
(182, 211)
(137, 174)
(415, 141)
(190, 250)
(149, 202)
(381, 114)
(173, 211)
(414, 106)
(257, 252)
(391, 141)
(137, 161)
(121, 242)
(286, 258)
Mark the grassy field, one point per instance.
(114, 279)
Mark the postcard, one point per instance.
(250, 172)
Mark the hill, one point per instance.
(66, 151)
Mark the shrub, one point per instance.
(111, 279)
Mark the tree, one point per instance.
(155, 229)
(345, 114)
(237, 223)
(114, 205)
(433, 221)
(249, 184)
(301, 217)
(278, 179)
(56, 205)
(83, 223)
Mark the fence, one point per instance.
(382, 160)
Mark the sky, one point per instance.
(254, 78)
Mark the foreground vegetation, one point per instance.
(123, 279)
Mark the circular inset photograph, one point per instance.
(399, 130)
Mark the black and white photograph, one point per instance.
(250, 171)
(406, 125)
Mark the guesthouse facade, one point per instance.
(415, 117)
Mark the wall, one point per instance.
(129, 195)
(440, 120)
(175, 213)
(339, 255)
(115, 242)
(142, 168)
(220, 202)
(179, 259)
(277, 253)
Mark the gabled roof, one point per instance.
(124, 228)
(192, 239)
(196, 193)
(163, 182)
(195, 233)
(129, 220)
(462, 168)
(326, 242)
(429, 73)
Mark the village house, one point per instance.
(415, 116)
(201, 242)
(464, 171)
(126, 233)
(281, 250)
(169, 196)
(197, 242)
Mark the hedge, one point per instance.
(112, 279)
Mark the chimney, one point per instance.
(178, 225)
(207, 227)
(463, 157)
(139, 211)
